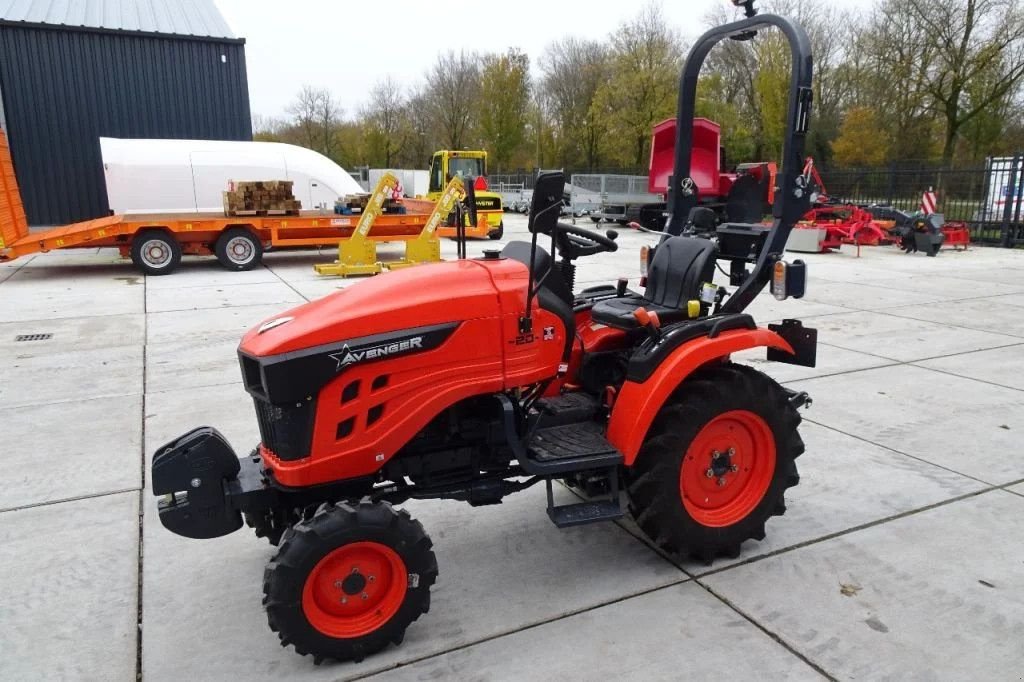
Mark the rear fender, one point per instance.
(638, 402)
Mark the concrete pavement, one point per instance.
(901, 555)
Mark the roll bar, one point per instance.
(792, 196)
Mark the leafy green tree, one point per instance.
(861, 143)
(504, 104)
(642, 87)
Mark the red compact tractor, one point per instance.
(474, 379)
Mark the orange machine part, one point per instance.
(638, 403)
(369, 411)
(13, 224)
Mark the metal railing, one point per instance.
(986, 197)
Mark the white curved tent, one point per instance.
(186, 176)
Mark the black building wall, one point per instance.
(63, 88)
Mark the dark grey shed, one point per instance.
(72, 71)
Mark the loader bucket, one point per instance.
(13, 225)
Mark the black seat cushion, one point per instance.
(553, 296)
(680, 266)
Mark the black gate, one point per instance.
(987, 198)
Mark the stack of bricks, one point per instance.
(266, 197)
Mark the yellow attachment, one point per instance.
(426, 248)
(357, 255)
(693, 309)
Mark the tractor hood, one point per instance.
(406, 311)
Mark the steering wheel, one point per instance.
(575, 242)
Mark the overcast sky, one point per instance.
(346, 46)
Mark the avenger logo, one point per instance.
(349, 356)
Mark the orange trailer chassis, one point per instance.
(197, 233)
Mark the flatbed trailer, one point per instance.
(155, 243)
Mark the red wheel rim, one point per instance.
(727, 468)
(354, 590)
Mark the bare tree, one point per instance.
(573, 71)
(452, 88)
(979, 48)
(423, 137)
(315, 115)
(267, 128)
(386, 116)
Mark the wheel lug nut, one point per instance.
(355, 569)
(721, 482)
(364, 596)
(710, 473)
(716, 454)
(371, 578)
(344, 600)
(732, 451)
(734, 468)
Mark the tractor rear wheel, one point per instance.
(498, 232)
(349, 581)
(716, 463)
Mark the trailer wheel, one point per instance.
(716, 463)
(497, 233)
(349, 581)
(156, 252)
(238, 249)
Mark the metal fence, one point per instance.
(987, 197)
(588, 192)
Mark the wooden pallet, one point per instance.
(264, 212)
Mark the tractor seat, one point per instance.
(680, 266)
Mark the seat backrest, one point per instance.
(680, 266)
(546, 203)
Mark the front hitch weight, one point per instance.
(190, 473)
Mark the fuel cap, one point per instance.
(492, 254)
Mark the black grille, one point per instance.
(286, 431)
(251, 374)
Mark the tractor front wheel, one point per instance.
(349, 581)
(716, 463)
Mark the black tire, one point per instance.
(155, 252)
(622, 221)
(238, 249)
(498, 233)
(654, 482)
(332, 528)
